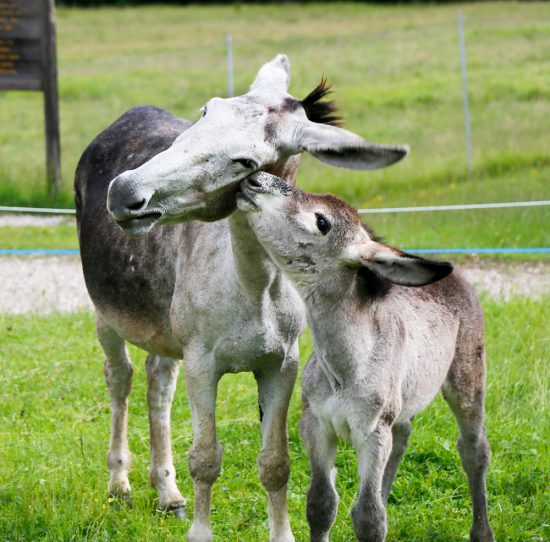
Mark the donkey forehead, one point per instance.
(255, 110)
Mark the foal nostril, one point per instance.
(253, 182)
(138, 205)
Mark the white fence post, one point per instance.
(229, 42)
(465, 90)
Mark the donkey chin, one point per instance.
(140, 225)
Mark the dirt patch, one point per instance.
(23, 221)
(40, 285)
(502, 280)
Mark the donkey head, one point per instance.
(198, 176)
(318, 236)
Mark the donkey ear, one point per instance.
(273, 76)
(341, 148)
(397, 266)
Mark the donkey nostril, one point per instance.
(253, 182)
(138, 205)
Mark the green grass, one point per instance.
(33, 237)
(396, 76)
(55, 419)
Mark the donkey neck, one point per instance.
(254, 268)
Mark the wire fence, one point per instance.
(36, 210)
(430, 208)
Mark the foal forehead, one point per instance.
(338, 209)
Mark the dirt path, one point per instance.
(40, 285)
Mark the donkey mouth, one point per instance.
(140, 224)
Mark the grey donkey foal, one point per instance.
(382, 350)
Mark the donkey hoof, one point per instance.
(199, 533)
(178, 510)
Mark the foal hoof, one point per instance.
(122, 498)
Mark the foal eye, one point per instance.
(246, 163)
(323, 225)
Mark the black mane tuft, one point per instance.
(318, 110)
(372, 233)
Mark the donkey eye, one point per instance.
(323, 225)
(246, 163)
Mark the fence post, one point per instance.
(51, 101)
(229, 42)
(460, 18)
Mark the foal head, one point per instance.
(316, 237)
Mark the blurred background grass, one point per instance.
(396, 76)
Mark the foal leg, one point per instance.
(205, 455)
(118, 375)
(464, 391)
(400, 439)
(369, 513)
(162, 375)
(322, 499)
(275, 389)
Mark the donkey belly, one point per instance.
(130, 280)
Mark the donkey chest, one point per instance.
(243, 333)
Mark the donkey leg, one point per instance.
(275, 389)
(400, 439)
(464, 391)
(322, 499)
(369, 513)
(118, 375)
(205, 455)
(162, 375)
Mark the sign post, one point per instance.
(28, 62)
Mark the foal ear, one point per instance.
(341, 148)
(273, 76)
(397, 266)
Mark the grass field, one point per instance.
(55, 430)
(396, 76)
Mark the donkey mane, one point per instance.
(372, 234)
(319, 110)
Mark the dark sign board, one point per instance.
(28, 62)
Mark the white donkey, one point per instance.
(382, 350)
(204, 292)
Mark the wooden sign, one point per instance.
(28, 62)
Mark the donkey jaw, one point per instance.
(140, 225)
